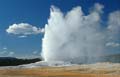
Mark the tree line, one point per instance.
(8, 61)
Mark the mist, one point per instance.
(79, 38)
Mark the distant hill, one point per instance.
(11, 61)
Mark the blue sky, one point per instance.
(36, 13)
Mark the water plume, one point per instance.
(79, 38)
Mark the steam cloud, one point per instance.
(76, 37)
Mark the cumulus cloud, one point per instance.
(23, 29)
(77, 37)
(6, 53)
(11, 53)
(3, 52)
(4, 48)
(112, 44)
(97, 7)
(35, 52)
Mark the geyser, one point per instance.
(79, 38)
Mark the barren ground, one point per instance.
(66, 71)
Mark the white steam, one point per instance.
(76, 37)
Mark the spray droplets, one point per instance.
(76, 37)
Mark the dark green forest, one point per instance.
(9, 61)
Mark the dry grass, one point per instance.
(71, 71)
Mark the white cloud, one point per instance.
(113, 44)
(23, 29)
(23, 36)
(5, 48)
(35, 52)
(11, 53)
(98, 7)
(3, 52)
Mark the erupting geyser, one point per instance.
(77, 37)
